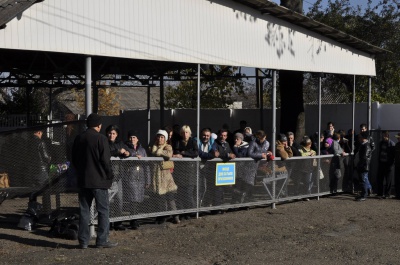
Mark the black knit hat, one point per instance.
(132, 133)
(93, 120)
(282, 138)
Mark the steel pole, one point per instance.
(88, 86)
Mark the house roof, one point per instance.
(133, 98)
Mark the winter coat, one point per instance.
(117, 166)
(91, 158)
(163, 181)
(43, 155)
(138, 175)
(282, 152)
(336, 165)
(39, 162)
(224, 149)
(295, 147)
(241, 150)
(397, 155)
(185, 172)
(245, 170)
(190, 149)
(115, 147)
(307, 165)
(248, 137)
(390, 152)
(256, 149)
(364, 157)
(202, 153)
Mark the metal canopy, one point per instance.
(9, 9)
(267, 7)
(49, 68)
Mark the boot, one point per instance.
(134, 224)
(176, 220)
(161, 220)
(118, 226)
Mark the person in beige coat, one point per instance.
(163, 184)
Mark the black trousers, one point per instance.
(384, 179)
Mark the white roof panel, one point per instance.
(193, 31)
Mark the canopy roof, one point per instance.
(152, 36)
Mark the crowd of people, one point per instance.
(175, 187)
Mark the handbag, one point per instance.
(321, 174)
(4, 180)
(167, 164)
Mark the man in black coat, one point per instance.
(39, 169)
(363, 160)
(91, 158)
(386, 164)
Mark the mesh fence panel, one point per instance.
(51, 181)
(134, 195)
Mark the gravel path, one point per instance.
(332, 230)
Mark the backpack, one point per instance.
(66, 227)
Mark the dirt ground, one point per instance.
(332, 230)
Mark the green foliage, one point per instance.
(15, 100)
(218, 85)
(379, 25)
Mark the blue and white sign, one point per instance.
(225, 174)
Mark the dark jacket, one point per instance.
(224, 149)
(116, 146)
(139, 175)
(370, 141)
(397, 154)
(42, 155)
(241, 150)
(91, 158)
(38, 164)
(295, 149)
(256, 149)
(186, 175)
(390, 151)
(191, 149)
(364, 157)
(134, 152)
(118, 168)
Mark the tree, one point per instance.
(217, 87)
(108, 101)
(15, 100)
(291, 89)
(378, 25)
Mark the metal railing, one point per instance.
(133, 195)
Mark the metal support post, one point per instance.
(273, 132)
(319, 130)
(88, 86)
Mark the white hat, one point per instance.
(214, 136)
(163, 132)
